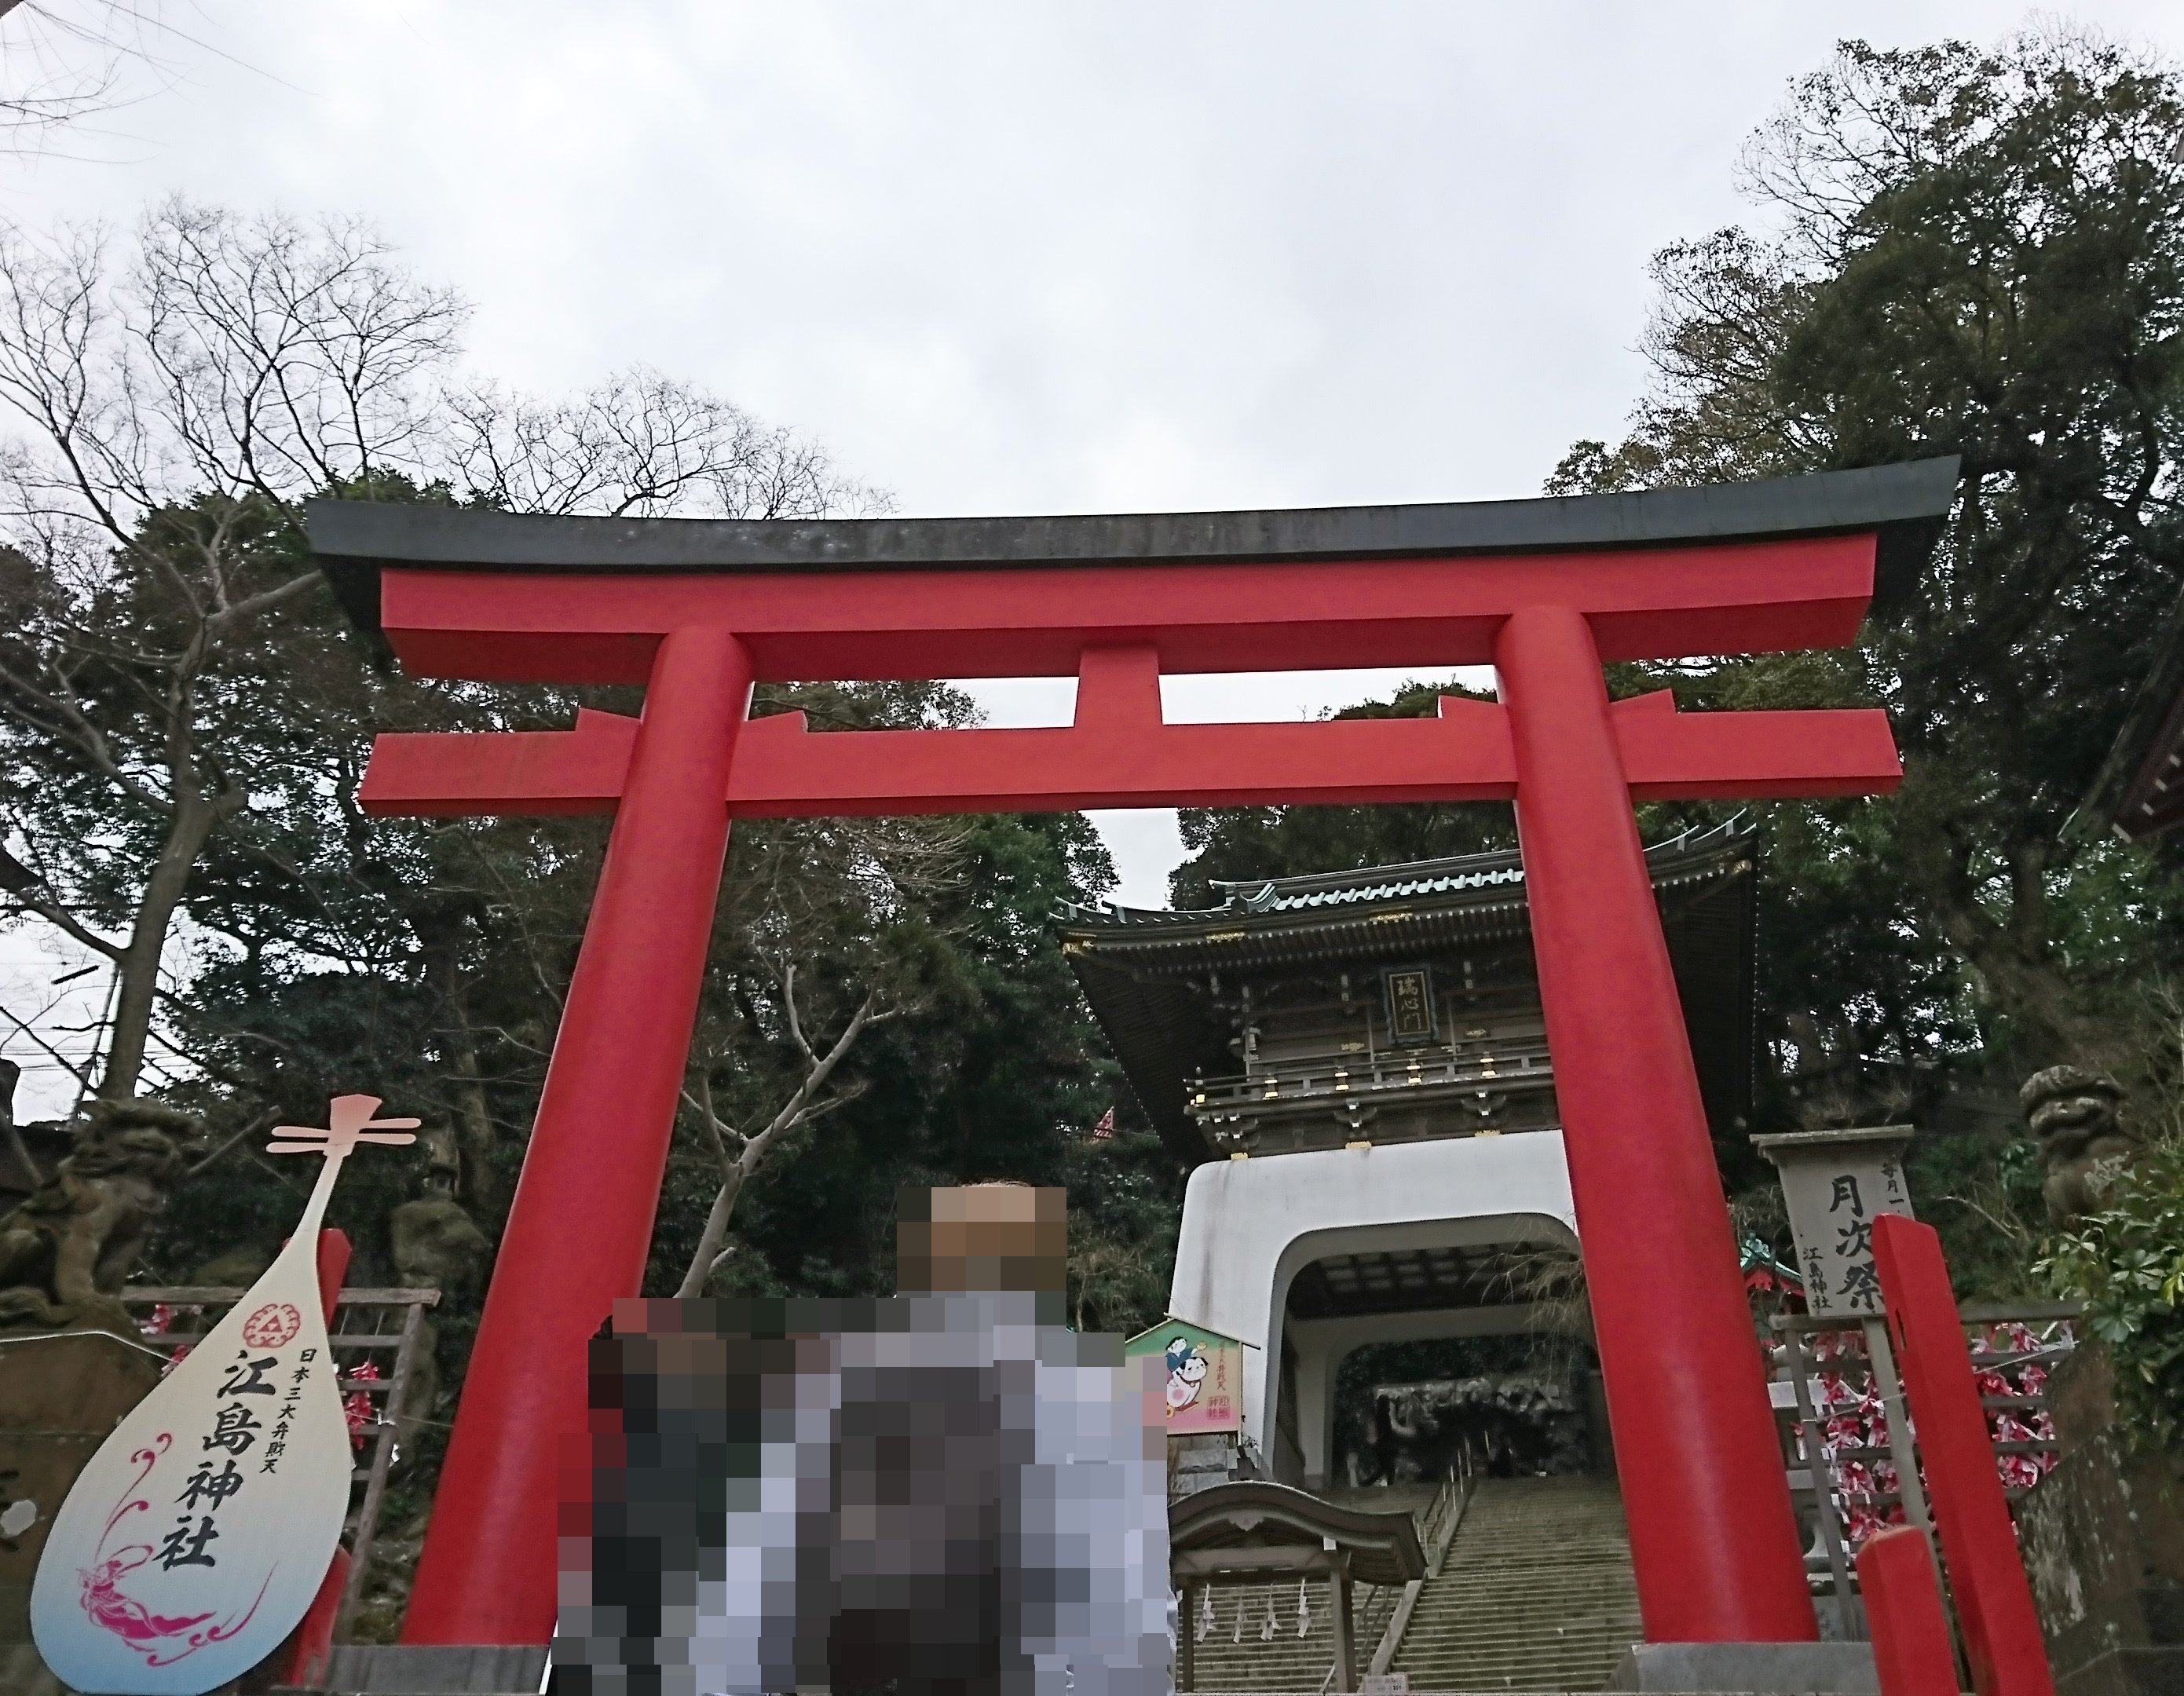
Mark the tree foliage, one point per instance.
(1977, 252)
(1955, 251)
(2127, 1264)
(1240, 844)
(183, 717)
(174, 684)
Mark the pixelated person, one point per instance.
(947, 1491)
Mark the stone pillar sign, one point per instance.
(1837, 1183)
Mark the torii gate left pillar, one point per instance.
(1713, 1541)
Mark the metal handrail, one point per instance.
(1370, 1621)
(1437, 1532)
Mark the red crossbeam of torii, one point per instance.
(1120, 754)
(1545, 591)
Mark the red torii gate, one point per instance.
(1545, 591)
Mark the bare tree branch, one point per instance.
(251, 1129)
(174, 397)
(800, 1108)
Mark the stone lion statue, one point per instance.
(437, 1245)
(2083, 1148)
(67, 1248)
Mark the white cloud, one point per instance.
(1030, 257)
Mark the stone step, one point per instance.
(1564, 1609)
(1536, 1592)
(1543, 1632)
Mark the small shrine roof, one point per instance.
(1244, 1528)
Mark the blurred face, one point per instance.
(988, 1237)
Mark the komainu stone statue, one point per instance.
(2083, 1148)
(437, 1245)
(66, 1249)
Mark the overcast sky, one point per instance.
(1025, 258)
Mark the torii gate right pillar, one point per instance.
(1713, 1539)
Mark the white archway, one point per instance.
(1249, 1227)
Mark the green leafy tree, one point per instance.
(169, 408)
(992, 1068)
(184, 714)
(1978, 252)
(1956, 250)
(2127, 1264)
(172, 677)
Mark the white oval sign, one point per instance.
(197, 1538)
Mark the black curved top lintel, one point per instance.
(1904, 504)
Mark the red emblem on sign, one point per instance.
(272, 1325)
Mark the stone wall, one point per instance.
(59, 1398)
(2103, 1537)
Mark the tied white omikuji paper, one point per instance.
(199, 1533)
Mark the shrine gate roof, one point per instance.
(1325, 889)
(1138, 965)
(1488, 884)
(1901, 504)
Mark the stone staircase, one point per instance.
(1536, 1592)
(1536, 1595)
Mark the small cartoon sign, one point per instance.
(199, 1533)
(1205, 1375)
